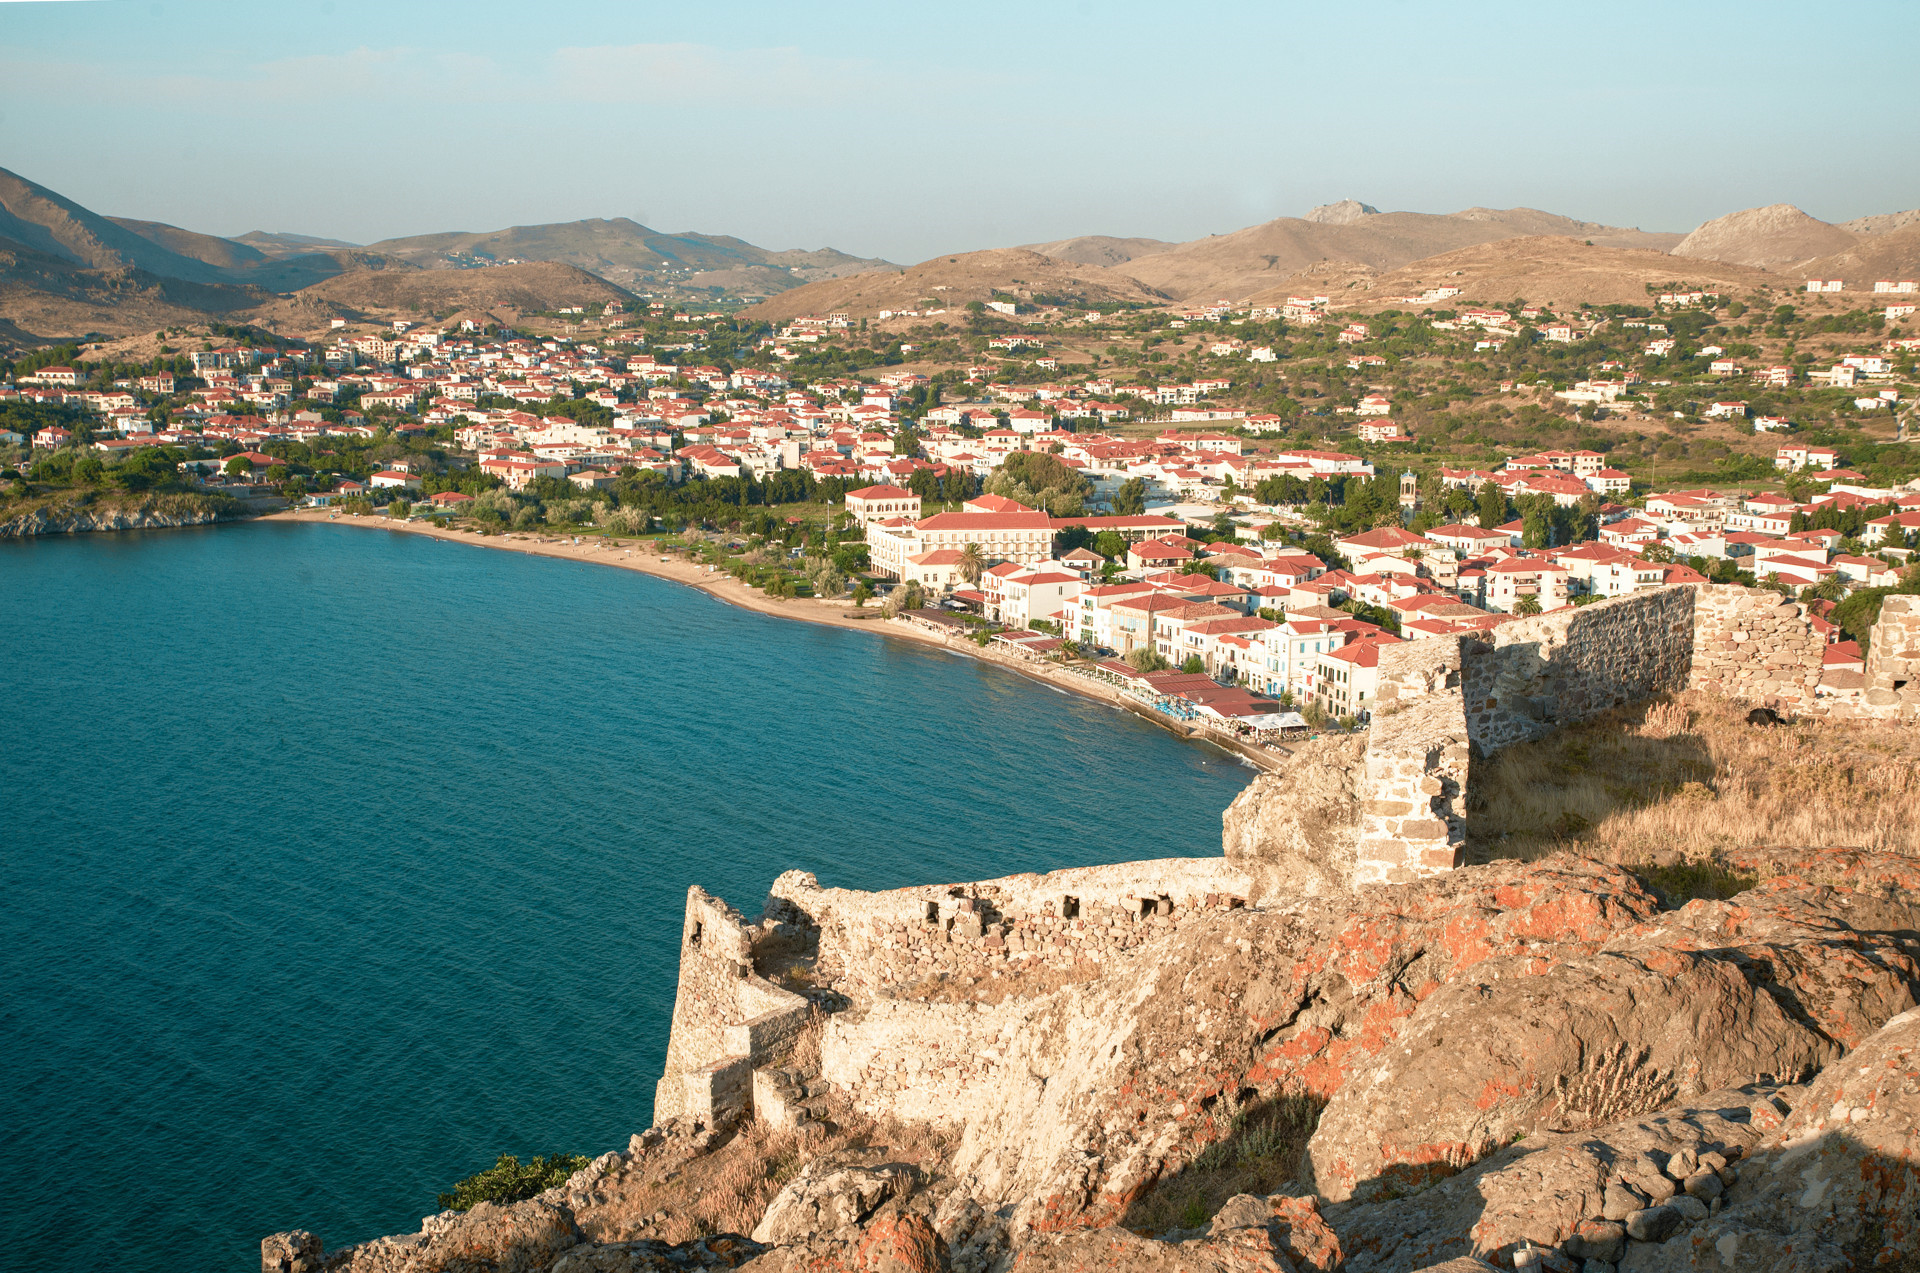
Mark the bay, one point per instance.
(336, 862)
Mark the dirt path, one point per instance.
(726, 588)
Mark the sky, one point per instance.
(910, 130)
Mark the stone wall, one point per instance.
(1750, 644)
(885, 942)
(727, 1018)
(1529, 677)
(1893, 660)
(1413, 819)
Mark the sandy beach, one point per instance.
(723, 587)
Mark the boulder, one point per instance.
(1508, 1050)
(296, 1251)
(524, 1237)
(824, 1198)
(1117, 1250)
(1547, 1189)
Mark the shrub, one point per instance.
(509, 1181)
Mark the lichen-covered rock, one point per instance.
(1116, 1250)
(1504, 1052)
(1551, 1187)
(1836, 1188)
(824, 1198)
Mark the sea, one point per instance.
(336, 862)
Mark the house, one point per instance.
(871, 503)
(1156, 554)
(449, 501)
(1507, 582)
(1470, 541)
(393, 478)
(1382, 431)
(1348, 682)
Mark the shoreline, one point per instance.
(725, 588)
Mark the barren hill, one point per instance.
(1891, 254)
(1555, 271)
(1248, 261)
(38, 219)
(632, 255)
(1100, 249)
(1776, 237)
(43, 295)
(1881, 223)
(949, 282)
(536, 285)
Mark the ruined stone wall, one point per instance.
(880, 942)
(1413, 820)
(1529, 677)
(1893, 661)
(1751, 645)
(726, 1017)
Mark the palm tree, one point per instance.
(1527, 605)
(972, 562)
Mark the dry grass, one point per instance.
(1689, 776)
(1259, 1155)
(728, 1189)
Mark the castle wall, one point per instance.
(1751, 645)
(727, 1019)
(1529, 677)
(1016, 925)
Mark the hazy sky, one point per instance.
(908, 129)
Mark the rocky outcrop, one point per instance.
(153, 513)
(1296, 827)
(1529, 1064)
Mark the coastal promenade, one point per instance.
(637, 556)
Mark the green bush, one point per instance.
(508, 1181)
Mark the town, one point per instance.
(1226, 523)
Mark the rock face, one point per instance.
(1505, 1059)
(1298, 826)
(1837, 1187)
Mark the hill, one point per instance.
(1777, 237)
(43, 295)
(1100, 249)
(633, 256)
(949, 282)
(288, 244)
(50, 224)
(1556, 271)
(1881, 223)
(529, 287)
(1890, 254)
(1245, 262)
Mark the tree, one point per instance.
(1130, 500)
(1493, 506)
(1527, 605)
(862, 593)
(1193, 664)
(238, 466)
(399, 508)
(1144, 658)
(972, 562)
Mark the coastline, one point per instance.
(727, 589)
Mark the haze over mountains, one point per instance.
(66, 270)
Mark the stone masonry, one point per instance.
(728, 1020)
(1749, 644)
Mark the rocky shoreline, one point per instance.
(156, 512)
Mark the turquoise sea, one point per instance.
(335, 862)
